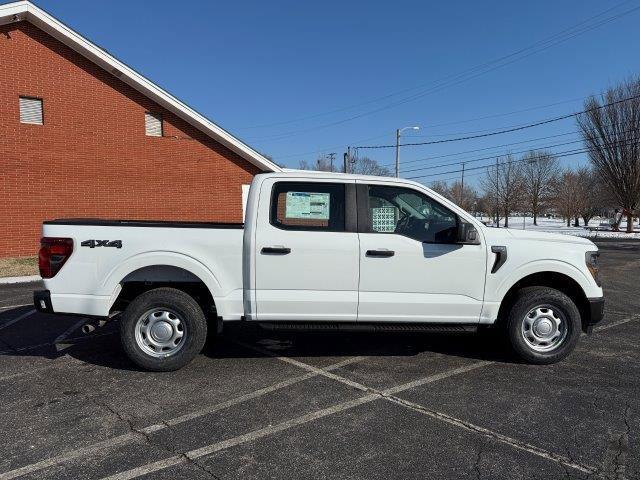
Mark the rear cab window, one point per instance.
(312, 206)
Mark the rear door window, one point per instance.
(308, 206)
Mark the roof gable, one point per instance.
(24, 10)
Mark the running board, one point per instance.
(368, 327)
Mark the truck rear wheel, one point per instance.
(163, 329)
(543, 325)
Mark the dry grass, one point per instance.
(18, 267)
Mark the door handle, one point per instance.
(275, 250)
(380, 253)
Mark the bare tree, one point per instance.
(367, 166)
(322, 164)
(590, 196)
(464, 196)
(611, 131)
(358, 165)
(487, 204)
(440, 187)
(539, 171)
(567, 189)
(504, 184)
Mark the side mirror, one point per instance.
(468, 234)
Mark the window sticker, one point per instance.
(307, 205)
(384, 219)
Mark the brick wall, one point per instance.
(91, 158)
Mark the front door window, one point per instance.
(410, 213)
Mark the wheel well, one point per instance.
(156, 276)
(559, 281)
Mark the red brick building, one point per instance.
(83, 135)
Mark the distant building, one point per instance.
(83, 135)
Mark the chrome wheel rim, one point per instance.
(160, 333)
(544, 328)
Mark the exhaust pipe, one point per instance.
(92, 326)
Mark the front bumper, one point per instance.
(594, 315)
(42, 301)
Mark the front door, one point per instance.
(411, 268)
(307, 252)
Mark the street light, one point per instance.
(398, 133)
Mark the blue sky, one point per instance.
(297, 79)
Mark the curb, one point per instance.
(30, 278)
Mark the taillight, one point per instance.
(54, 252)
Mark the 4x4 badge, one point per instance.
(101, 243)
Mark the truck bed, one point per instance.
(108, 253)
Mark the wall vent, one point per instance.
(31, 110)
(153, 124)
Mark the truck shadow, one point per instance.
(479, 346)
(52, 337)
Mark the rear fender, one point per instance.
(112, 281)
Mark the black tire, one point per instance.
(189, 313)
(530, 298)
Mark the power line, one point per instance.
(490, 157)
(543, 147)
(494, 147)
(501, 132)
(548, 42)
(558, 155)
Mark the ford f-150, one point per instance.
(322, 251)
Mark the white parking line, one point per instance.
(63, 336)
(372, 395)
(272, 429)
(50, 344)
(53, 365)
(15, 306)
(615, 324)
(388, 395)
(17, 319)
(133, 436)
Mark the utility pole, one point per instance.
(462, 182)
(398, 133)
(331, 157)
(497, 194)
(347, 159)
(398, 153)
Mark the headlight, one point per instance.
(591, 259)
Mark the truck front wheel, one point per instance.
(543, 325)
(163, 329)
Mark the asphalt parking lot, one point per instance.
(260, 404)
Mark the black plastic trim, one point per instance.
(99, 222)
(351, 208)
(275, 250)
(596, 313)
(501, 257)
(370, 327)
(362, 194)
(42, 296)
(380, 253)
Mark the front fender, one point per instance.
(497, 286)
(540, 266)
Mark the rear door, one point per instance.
(411, 268)
(307, 251)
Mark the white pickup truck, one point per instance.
(322, 251)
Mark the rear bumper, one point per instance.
(42, 301)
(595, 314)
